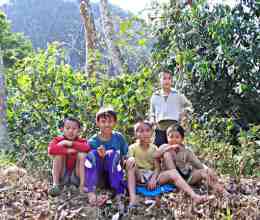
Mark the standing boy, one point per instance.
(109, 148)
(167, 107)
(68, 152)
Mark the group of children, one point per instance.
(106, 157)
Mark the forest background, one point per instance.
(63, 58)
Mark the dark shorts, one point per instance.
(160, 137)
(70, 178)
(186, 176)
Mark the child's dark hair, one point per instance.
(72, 119)
(176, 128)
(145, 122)
(165, 70)
(106, 112)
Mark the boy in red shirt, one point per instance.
(68, 152)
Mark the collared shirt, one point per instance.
(169, 107)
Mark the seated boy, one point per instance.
(109, 148)
(177, 156)
(68, 152)
(143, 168)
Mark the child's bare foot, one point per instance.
(198, 199)
(98, 201)
(81, 190)
(92, 198)
(101, 200)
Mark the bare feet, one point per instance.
(98, 201)
(92, 198)
(198, 199)
(81, 190)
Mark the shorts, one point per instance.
(144, 176)
(186, 176)
(70, 178)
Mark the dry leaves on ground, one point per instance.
(25, 197)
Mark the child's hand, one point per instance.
(71, 151)
(130, 163)
(152, 183)
(175, 147)
(101, 151)
(65, 143)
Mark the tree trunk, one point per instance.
(90, 37)
(3, 121)
(108, 29)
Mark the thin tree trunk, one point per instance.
(3, 121)
(90, 37)
(109, 32)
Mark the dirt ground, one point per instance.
(26, 197)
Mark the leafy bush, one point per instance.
(215, 54)
(15, 45)
(42, 90)
(213, 142)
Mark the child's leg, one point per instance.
(115, 171)
(92, 166)
(209, 176)
(58, 168)
(131, 180)
(173, 176)
(80, 170)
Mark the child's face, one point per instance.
(166, 80)
(71, 130)
(174, 138)
(144, 133)
(106, 124)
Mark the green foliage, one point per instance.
(215, 54)
(214, 142)
(6, 159)
(14, 45)
(43, 90)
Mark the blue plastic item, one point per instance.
(141, 189)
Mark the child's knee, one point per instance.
(81, 156)
(58, 158)
(174, 175)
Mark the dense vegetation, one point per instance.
(214, 53)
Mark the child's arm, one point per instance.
(55, 148)
(164, 148)
(129, 159)
(195, 162)
(81, 145)
(153, 181)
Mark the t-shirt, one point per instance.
(117, 142)
(79, 144)
(143, 158)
